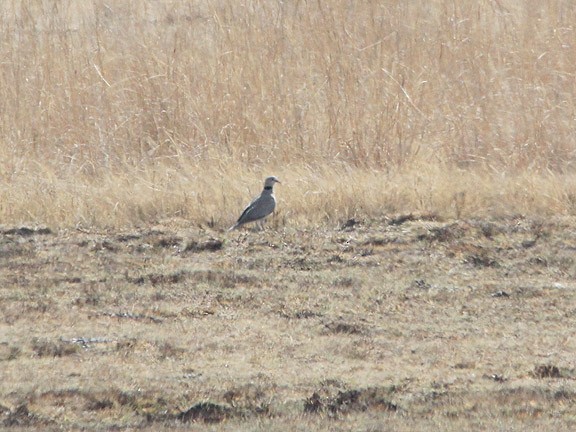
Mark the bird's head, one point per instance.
(269, 182)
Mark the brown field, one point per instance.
(122, 113)
(418, 273)
(411, 323)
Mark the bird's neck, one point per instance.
(268, 188)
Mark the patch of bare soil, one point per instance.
(422, 322)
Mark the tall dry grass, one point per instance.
(124, 112)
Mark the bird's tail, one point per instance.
(233, 227)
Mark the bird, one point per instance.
(260, 207)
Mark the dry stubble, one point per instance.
(117, 116)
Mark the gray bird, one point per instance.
(260, 207)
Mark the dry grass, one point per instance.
(123, 113)
(405, 324)
(418, 274)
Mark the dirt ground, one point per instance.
(405, 323)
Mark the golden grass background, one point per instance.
(117, 113)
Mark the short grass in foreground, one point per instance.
(405, 323)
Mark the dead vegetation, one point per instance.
(418, 274)
(118, 114)
(272, 329)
